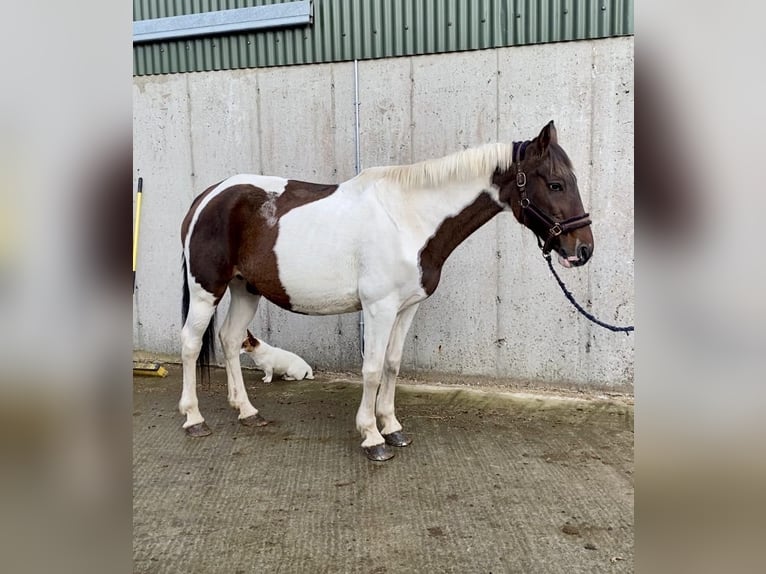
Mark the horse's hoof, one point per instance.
(255, 420)
(198, 430)
(397, 438)
(379, 452)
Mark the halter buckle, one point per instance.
(556, 230)
(524, 202)
(521, 179)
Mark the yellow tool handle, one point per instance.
(136, 227)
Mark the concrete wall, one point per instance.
(497, 312)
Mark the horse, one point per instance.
(376, 243)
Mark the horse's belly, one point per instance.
(321, 301)
(318, 251)
(319, 276)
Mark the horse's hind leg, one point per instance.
(201, 308)
(384, 407)
(241, 311)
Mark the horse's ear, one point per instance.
(547, 136)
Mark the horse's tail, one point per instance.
(207, 351)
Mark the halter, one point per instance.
(555, 228)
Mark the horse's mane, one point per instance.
(480, 161)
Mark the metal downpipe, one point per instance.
(358, 168)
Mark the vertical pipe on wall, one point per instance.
(357, 158)
(357, 169)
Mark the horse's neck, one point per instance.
(462, 207)
(458, 215)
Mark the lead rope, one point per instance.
(577, 306)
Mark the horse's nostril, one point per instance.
(583, 252)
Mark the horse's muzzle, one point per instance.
(583, 254)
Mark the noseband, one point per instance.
(555, 228)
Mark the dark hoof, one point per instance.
(255, 420)
(379, 452)
(198, 430)
(397, 438)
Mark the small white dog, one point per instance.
(273, 360)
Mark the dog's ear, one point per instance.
(250, 337)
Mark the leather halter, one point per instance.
(555, 228)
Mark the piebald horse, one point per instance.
(375, 243)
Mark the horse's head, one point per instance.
(541, 190)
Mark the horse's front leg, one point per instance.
(384, 408)
(378, 322)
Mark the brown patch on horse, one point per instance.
(451, 233)
(236, 233)
(299, 193)
(187, 220)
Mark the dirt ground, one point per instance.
(494, 481)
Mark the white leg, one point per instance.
(241, 312)
(201, 309)
(267, 374)
(378, 322)
(384, 407)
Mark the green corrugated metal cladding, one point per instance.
(345, 30)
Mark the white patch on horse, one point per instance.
(269, 210)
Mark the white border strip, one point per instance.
(224, 21)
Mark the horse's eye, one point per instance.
(555, 186)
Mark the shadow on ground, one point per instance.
(493, 482)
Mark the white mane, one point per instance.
(472, 163)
